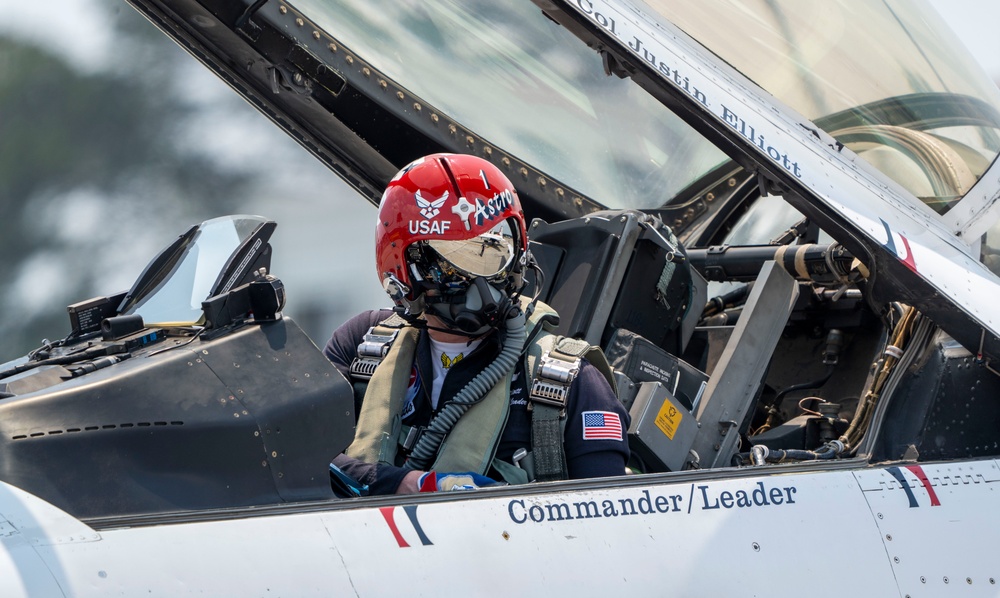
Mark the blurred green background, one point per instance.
(113, 141)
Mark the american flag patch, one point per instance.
(601, 425)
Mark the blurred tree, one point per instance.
(106, 156)
(77, 150)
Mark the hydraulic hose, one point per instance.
(893, 353)
(90, 353)
(760, 454)
(426, 448)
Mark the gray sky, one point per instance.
(975, 21)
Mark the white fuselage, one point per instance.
(909, 530)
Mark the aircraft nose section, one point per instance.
(31, 532)
(23, 572)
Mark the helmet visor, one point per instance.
(488, 255)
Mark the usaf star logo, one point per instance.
(430, 208)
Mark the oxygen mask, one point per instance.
(467, 283)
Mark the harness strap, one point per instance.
(553, 374)
(379, 422)
(555, 370)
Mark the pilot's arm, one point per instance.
(380, 478)
(593, 449)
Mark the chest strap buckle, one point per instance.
(412, 436)
(371, 352)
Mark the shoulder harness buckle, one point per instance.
(372, 351)
(555, 373)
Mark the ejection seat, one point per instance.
(620, 280)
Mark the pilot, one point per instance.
(450, 402)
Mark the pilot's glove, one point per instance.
(434, 482)
(345, 486)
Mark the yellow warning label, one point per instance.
(668, 419)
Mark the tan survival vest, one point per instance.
(472, 441)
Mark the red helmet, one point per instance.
(444, 220)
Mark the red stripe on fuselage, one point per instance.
(387, 514)
(919, 472)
